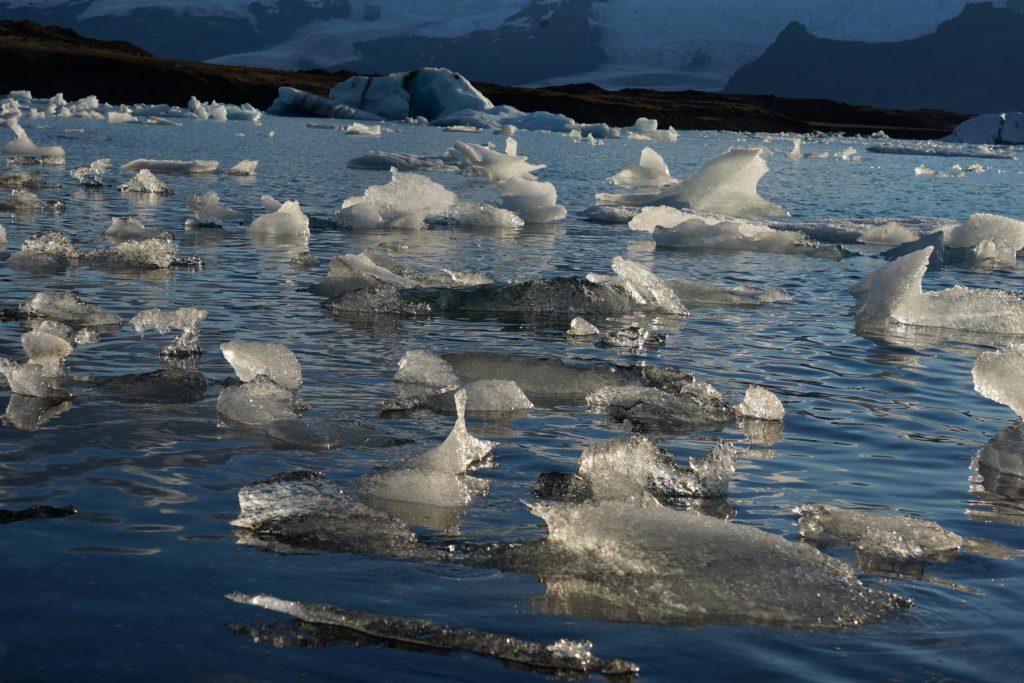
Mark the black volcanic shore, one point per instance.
(48, 59)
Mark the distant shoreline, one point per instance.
(48, 59)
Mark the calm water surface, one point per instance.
(133, 587)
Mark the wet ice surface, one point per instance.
(888, 422)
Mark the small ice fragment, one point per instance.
(999, 376)
(894, 537)
(258, 402)
(495, 396)
(404, 202)
(68, 307)
(647, 129)
(646, 288)
(363, 129)
(479, 160)
(209, 209)
(145, 182)
(533, 200)
(132, 229)
(185, 319)
(461, 450)
(91, 175)
(760, 404)
(921, 169)
(651, 173)
(33, 379)
(144, 254)
(275, 361)
(579, 327)
(246, 167)
(633, 337)
(427, 369)
(891, 234)
(288, 219)
(986, 237)
(22, 145)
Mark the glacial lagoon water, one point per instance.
(133, 587)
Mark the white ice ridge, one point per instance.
(185, 319)
(893, 295)
(999, 376)
(275, 361)
(479, 160)
(146, 183)
(646, 288)
(22, 145)
(285, 219)
(91, 175)
(686, 229)
(132, 229)
(172, 166)
(727, 184)
(209, 209)
(647, 129)
(651, 173)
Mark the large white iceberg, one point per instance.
(1006, 128)
(428, 92)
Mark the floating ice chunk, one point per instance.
(893, 537)
(146, 182)
(401, 161)
(848, 154)
(697, 405)
(275, 361)
(892, 295)
(287, 219)
(121, 117)
(68, 308)
(941, 149)
(1003, 453)
(185, 319)
(633, 470)
(890, 233)
(474, 214)
(45, 348)
(671, 567)
(479, 160)
(494, 396)
(921, 169)
(634, 336)
(610, 215)
(209, 209)
(578, 327)
(760, 404)
(564, 657)
(646, 287)
(461, 450)
(797, 153)
(133, 229)
(986, 238)
(647, 129)
(258, 402)
(144, 254)
(404, 202)
(22, 146)
(999, 376)
(651, 173)
(3, 237)
(707, 232)
(727, 184)
(246, 167)
(23, 201)
(91, 175)
(362, 129)
(426, 369)
(172, 166)
(48, 252)
(33, 379)
(533, 200)
(427, 92)
(436, 500)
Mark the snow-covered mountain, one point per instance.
(668, 44)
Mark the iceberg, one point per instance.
(148, 254)
(294, 102)
(246, 167)
(428, 92)
(533, 200)
(479, 160)
(647, 129)
(892, 295)
(286, 219)
(22, 146)
(985, 239)
(48, 252)
(362, 129)
(1006, 128)
(68, 308)
(727, 184)
(41, 375)
(578, 327)
(651, 173)
(698, 406)
(404, 202)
